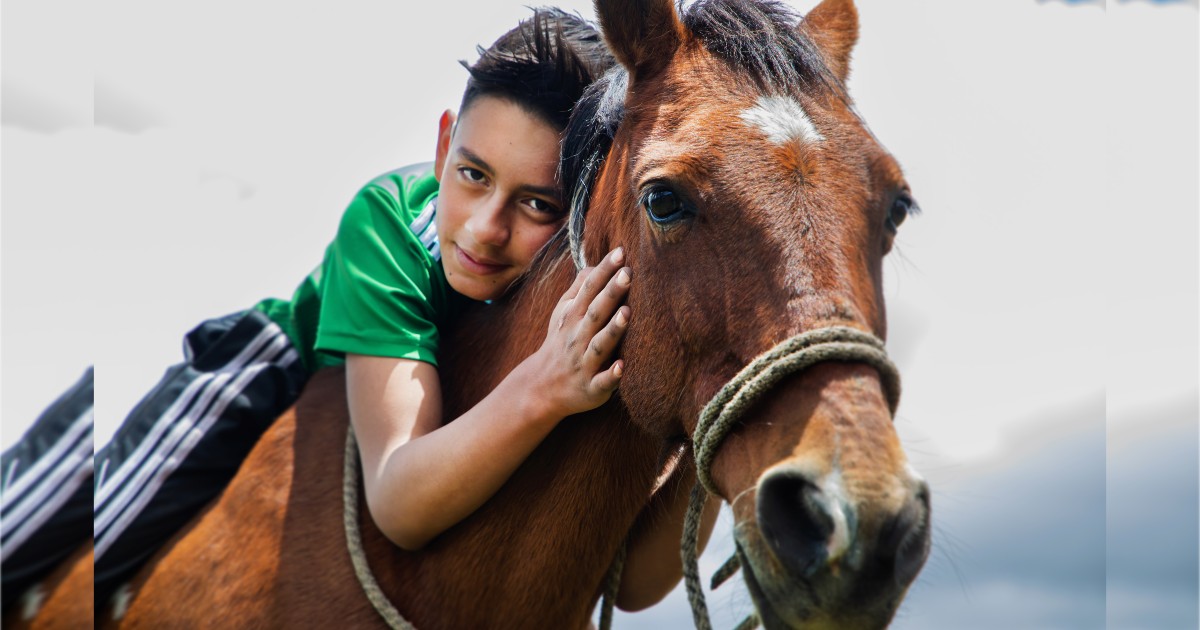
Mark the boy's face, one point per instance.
(498, 201)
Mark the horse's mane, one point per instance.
(588, 137)
(762, 39)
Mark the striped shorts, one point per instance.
(186, 439)
(46, 491)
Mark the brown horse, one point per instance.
(754, 204)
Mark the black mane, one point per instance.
(585, 144)
(763, 39)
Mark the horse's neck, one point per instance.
(539, 549)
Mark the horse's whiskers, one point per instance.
(740, 495)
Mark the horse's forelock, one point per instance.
(763, 39)
(586, 142)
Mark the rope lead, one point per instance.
(378, 599)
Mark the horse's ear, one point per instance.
(642, 34)
(833, 27)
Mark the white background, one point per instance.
(166, 163)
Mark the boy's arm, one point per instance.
(653, 564)
(422, 475)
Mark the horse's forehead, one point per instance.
(782, 119)
(712, 102)
(714, 131)
(695, 115)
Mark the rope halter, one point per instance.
(834, 343)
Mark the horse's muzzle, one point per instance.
(820, 557)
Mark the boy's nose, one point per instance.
(488, 225)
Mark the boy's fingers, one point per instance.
(598, 279)
(560, 316)
(604, 342)
(607, 302)
(579, 278)
(609, 379)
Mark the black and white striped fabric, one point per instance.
(46, 490)
(182, 444)
(425, 229)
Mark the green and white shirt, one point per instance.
(381, 289)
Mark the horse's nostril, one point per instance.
(795, 521)
(812, 519)
(909, 538)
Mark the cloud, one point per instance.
(1069, 530)
(1019, 541)
(29, 108)
(117, 110)
(1153, 522)
(34, 109)
(1102, 3)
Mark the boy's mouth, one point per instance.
(479, 265)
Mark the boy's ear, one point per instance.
(445, 135)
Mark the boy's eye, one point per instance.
(542, 206)
(472, 174)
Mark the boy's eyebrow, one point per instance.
(474, 157)
(546, 191)
(551, 192)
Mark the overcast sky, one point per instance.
(164, 163)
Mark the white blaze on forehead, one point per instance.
(782, 119)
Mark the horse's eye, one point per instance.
(901, 208)
(663, 205)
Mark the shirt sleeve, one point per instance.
(377, 285)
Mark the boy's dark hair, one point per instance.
(542, 66)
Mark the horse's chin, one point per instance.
(788, 602)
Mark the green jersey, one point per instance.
(381, 289)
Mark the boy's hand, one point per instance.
(584, 330)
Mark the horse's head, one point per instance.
(755, 205)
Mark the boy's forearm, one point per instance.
(442, 477)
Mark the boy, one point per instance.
(412, 246)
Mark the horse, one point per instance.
(754, 206)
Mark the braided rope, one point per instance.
(378, 599)
(691, 568)
(835, 343)
(726, 571)
(612, 583)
